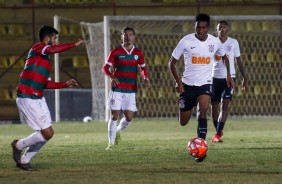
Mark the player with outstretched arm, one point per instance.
(30, 101)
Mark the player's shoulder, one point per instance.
(231, 39)
(211, 37)
(190, 36)
(38, 45)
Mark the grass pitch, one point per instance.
(151, 151)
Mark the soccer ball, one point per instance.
(197, 147)
(87, 119)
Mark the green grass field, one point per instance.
(151, 151)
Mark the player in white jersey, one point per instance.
(195, 87)
(221, 92)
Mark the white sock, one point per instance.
(31, 152)
(30, 140)
(112, 130)
(123, 124)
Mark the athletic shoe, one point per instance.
(26, 167)
(216, 138)
(200, 159)
(16, 153)
(118, 138)
(110, 147)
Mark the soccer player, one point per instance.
(122, 68)
(30, 101)
(221, 92)
(195, 87)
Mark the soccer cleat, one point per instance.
(110, 147)
(16, 153)
(26, 167)
(221, 134)
(216, 138)
(118, 138)
(200, 159)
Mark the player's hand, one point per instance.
(179, 87)
(244, 85)
(230, 82)
(71, 83)
(114, 81)
(79, 42)
(147, 83)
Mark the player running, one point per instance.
(195, 87)
(122, 68)
(30, 101)
(221, 92)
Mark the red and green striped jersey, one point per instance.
(126, 64)
(34, 77)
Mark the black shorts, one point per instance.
(188, 99)
(221, 90)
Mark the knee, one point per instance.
(47, 133)
(183, 122)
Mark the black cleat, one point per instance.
(200, 159)
(16, 153)
(26, 167)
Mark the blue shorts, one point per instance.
(221, 90)
(188, 99)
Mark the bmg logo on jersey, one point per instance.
(201, 60)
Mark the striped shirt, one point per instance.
(125, 64)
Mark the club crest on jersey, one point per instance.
(211, 48)
(136, 57)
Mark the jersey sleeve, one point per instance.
(40, 48)
(141, 61)
(179, 49)
(111, 58)
(236, 49)
(220, 51)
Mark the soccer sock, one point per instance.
(31, 152)
(123, 124)
(215, 124)
(112, 130)
(220, 127)
(202, 128)
(30, 140)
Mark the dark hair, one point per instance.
(203, 18)
(46, 31)
(223, 22)
(127, 28)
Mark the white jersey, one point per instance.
(198, 58)
(231, 47)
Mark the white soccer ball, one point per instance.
(87, 119)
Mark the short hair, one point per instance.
(223, 22)
(46, 31)
(127, 28)
(203, 18)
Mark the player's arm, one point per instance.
(107, 71)
(230, 81)
(59, 85)
(243, 73)
(174, 73)
(62, 47)
(144, 73)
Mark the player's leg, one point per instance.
(129, 108)
(114, 104)
(202, 108)
(215, 112)
(38, 117)
(224, 111)
(217, 90)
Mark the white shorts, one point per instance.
(122, 101)
(35, 112)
